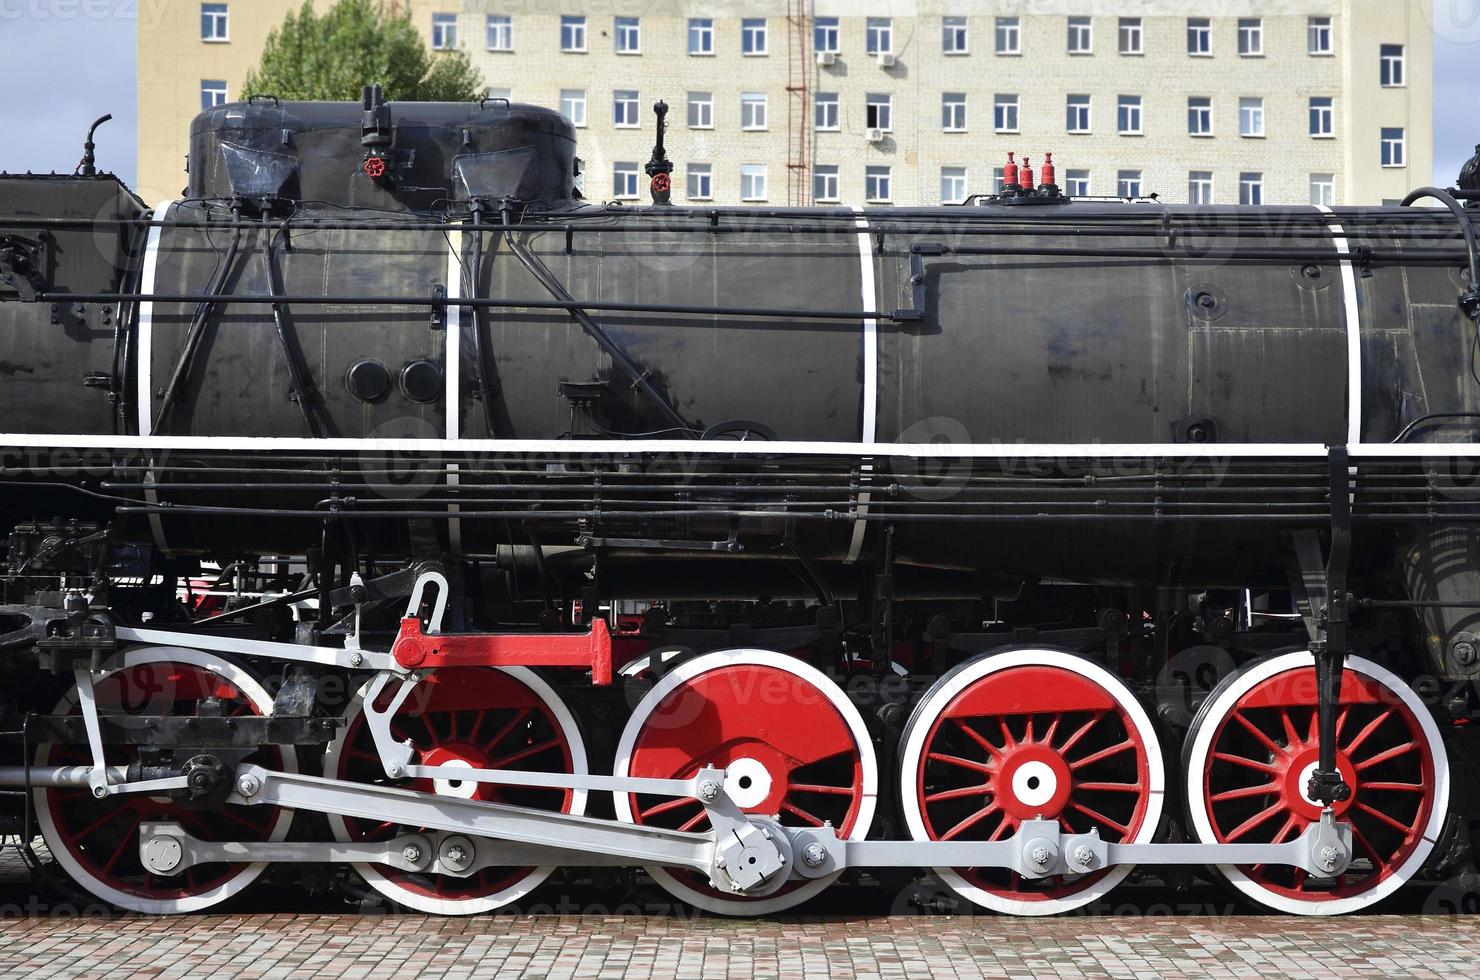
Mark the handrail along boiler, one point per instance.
(381, 504)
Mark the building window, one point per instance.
(752, 110)
(624, 109)
(1199, 116)
(573, 34)
(1322, 122)
(876, 185)
(953, 35)
(1318, 35)
(879, 111)
(1200, 187)
(628, 31)
(573, 105)
(953, 112)
(624, 180)
(952, 185)
(1251, 117)
(701, 38)
(1128, 115)
(1393, 69)
(1081, 35)
(1128, 183)
(214, 24)
(825, 110)
(444, 32)
(212, 93)
(1250, 37)
(1130, 36)
(1199, 36)
(880, 35)
(753, 36)
(825, 183)
(752, 182)
(1251, 188)
(1008, 35)
(999, 177)
(1077, 119)
(825, 34)
(1005, 113)
(1323, 189)
(701, 110)
(1393, 147)
(1076, 183)
(700, 183)
(500, 33)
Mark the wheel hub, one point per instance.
(749, 783)
(1294, 781)
(456, 756)
(1033, 781)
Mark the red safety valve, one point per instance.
(1025, 175)
(1010, 172)
(1046, 172)
(417, 650)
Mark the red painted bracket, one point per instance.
(415, 649)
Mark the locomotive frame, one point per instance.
(858, 548)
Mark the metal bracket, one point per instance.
(916, 282)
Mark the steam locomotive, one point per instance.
(383, 506)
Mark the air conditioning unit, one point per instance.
(874, 135)
(827, 58)
(886, 60)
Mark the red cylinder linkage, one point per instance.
(1010, 173)
(1025, 175)
(415, 649)
(1046, 172)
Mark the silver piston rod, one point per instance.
(463, 836)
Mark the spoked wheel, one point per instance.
(791, 744)
(1249, 756)
(478, 718)
(97, 841)
(1023, 734)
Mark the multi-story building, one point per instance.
(193, 55)
(873, 101)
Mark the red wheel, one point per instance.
(1250, 753)
(97, 841)
(791, 745)
(478, 718)
(1024, 734)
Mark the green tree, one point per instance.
(357, 43)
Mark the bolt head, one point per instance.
(395, 769)
(356, 659)
(1039, 856)
(411, 853)
(1329, 856)
(709, 791)
(1083, 856)
(100, 791)
(247, 785)
(813, 855)
(1464, 652)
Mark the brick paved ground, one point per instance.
(43, 936)
(319, 946)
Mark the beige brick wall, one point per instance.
(173, 60)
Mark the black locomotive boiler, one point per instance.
(382, 505)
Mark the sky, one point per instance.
(69, 61)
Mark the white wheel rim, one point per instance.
(254, 692)
(431, 904)
(689, 669)
(1222, 701)
(945, 691)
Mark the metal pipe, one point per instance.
(64, 776)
